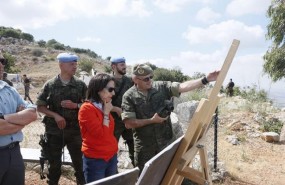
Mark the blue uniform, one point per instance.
(12, 170)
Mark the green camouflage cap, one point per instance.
(142, 70)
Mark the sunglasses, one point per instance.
(146, 79)
(3, 61)
(110, 89)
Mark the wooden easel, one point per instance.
(192, 143)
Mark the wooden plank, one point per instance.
(33, 155)
(194, 175)
(124, 178)
(205, 164)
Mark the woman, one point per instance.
(99, 145)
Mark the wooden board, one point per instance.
(154, 170)
(33, 155)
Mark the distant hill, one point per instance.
(40, 63)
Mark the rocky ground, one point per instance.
(250, 161)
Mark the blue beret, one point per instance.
(67, 57)
(118, 60)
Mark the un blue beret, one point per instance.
(67, 57)
(118, 60)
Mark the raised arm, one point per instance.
(194, 84)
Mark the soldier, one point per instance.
(122, 84)
(60, 100)
(230, 88)
(27, 83)
(140, 105)
(15, 114)
(5, 79)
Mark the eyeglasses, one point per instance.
(110, 89)
(3, 61)
(146, 79)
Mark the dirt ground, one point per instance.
(253, 161)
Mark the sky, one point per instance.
(191, 35)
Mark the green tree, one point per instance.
(42, 43)
(51, 42)
(10, 32)
(108, 58)
(27, 36)
(274, 58)
(10, 66)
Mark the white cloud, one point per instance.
(171, 5)
(35, 14)
(88, 39)
(207, 15)
(137, 7)
(225, 32)
(243, 7)
(190, 62)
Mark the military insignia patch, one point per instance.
(140, 71)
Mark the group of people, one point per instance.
(90, 120)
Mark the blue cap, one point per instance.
(67, 57)
(118, 60)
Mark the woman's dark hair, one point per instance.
(96, 84)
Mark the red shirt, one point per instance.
(98, 140)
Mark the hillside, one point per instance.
(251, 161)
(40, 63)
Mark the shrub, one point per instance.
(27, 36)
(10, 66)
(37, 52)
(107, 69)
(272, 125)
(42, 43)
(86, 65)
(252, 94)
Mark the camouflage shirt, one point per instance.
(51, 95)
(121, 86)
(136, 105)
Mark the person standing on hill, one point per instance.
(27, 83)
(60, 100)
(230, 88)
(5, 79)
(142, 105)
(15, 114)
(122, 84)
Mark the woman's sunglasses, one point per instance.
(110, 89)
(146, 79)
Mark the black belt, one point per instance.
(9, 146)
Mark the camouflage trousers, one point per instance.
(55, 145)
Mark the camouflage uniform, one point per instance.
(122, 85)
(150, 139)
(53, 92)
